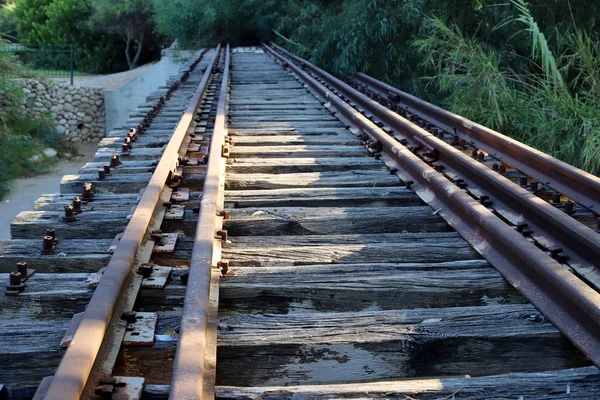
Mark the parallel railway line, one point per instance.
(268, 254)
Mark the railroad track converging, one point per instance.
(268, 231)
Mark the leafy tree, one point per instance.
(129, 19)
(8, 20)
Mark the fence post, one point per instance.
(72, 66)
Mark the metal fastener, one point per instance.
(48, 246)
(69, 214)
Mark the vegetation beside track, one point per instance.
(22, 140)
(525, 69)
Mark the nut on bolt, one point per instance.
(15, 284)
(225, 214)
(222, 235)
(77, 205)
(69, 214)
(88, 193)
(223, 265)
(48, 246)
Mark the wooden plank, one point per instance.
(91, 224)
(323, 197)
(297, 151)
(105, 154)
(304, 164)
(270, 140)
(327, 179)
(69, 256)
(358, 287)
(576, 383)
(285, 251)
(288, 349)
(347, 287)
(570, 384)
(121, 133)
(102, 201)
(145, 141)
(336, 220)
(47, 297)
(305, 131)
(36, 353)
(285, 125)
(117, 183)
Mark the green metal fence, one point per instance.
(45, 60)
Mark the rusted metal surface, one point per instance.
(566, 300)
(76, 365)
(553, 230)
(193, 375)
(579, 185)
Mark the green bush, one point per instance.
(20, 137)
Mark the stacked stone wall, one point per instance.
(78, 112)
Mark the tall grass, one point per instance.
(553, 105)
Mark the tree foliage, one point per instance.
(100, 30)
(529, 70)
(129, 20)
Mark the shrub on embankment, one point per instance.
(527, 70)
(26, 144)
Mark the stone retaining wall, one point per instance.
(77, 112)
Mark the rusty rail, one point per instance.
(553, 230)
(566, 300)
(76, 365)
(579, 185)
(194, 375)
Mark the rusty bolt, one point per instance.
(569, 205)
(22, 269)
(223, 265)
(88, 194)
(145, 270)
(474, 153)
(101, 174)
(184, 277)
(225, 151)
(534, 186)
(495, 167)
(52, 233)
(129, 317)
(222, 234)
(47, 246)
(225, 214)
(127, 141)
(523, 181)
(481, 156)
(69, 214)
(114, 161)
(106, 169)
(502, 169)
(77, 205)
(105, 392)
(124, 149)
(15, 284)
(556, 198)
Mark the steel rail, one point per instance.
(192, 377)
(562, 297)
(579, 185)
(553, 230)
(76, 365)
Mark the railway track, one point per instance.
(287, 237)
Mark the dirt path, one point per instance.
(26, 191)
